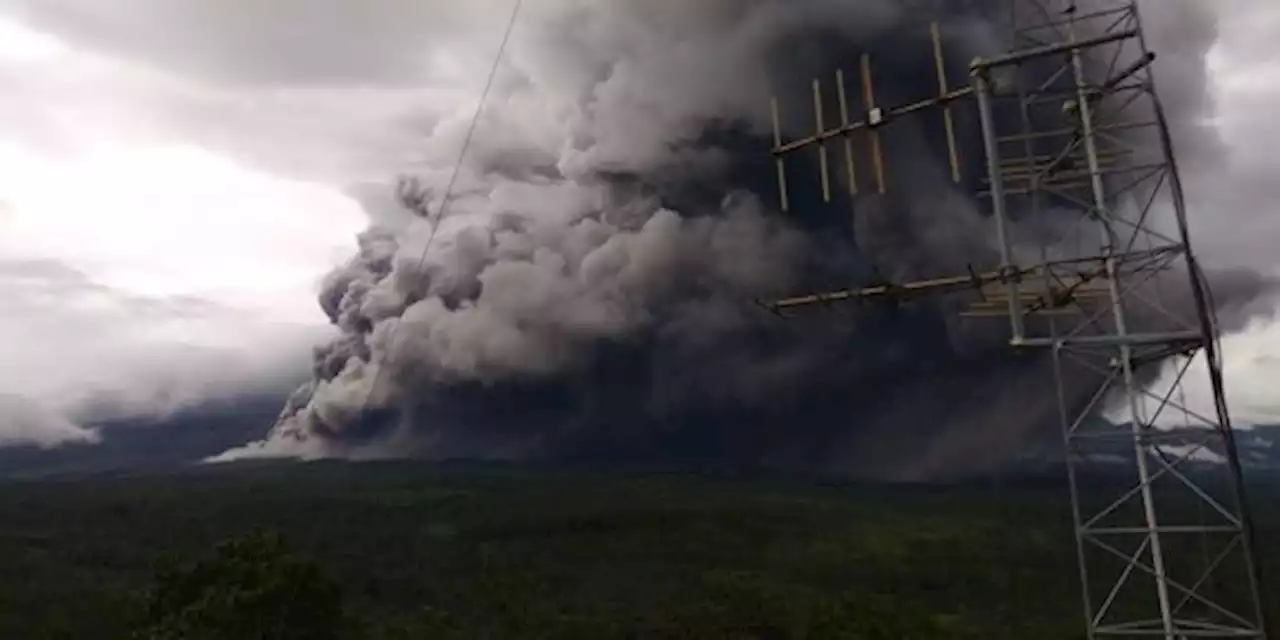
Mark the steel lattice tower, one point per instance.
(1163, 534)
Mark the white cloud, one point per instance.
(29, 423)
(176, 221)
(18, 44)
(143, 269)
(1251, 368)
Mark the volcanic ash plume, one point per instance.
(588, 296)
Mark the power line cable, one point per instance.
(448, 192)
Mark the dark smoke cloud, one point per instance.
(588, 295)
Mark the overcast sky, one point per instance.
(176, 175)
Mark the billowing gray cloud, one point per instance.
(577, 300)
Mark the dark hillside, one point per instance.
(500, 553)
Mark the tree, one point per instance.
(251, 588)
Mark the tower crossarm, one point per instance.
(897, 292)
(1049, 284)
